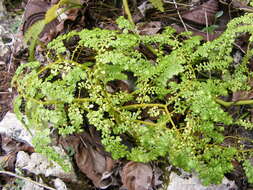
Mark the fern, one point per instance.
(173, 111)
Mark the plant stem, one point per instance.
(237, 103)
(127, 10)
(26, 179)
(135, 106)
(146, 123)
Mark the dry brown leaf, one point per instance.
(137, 176)
(8, 150)
(203, 14)
(242, 5)
(36, 9)
(92, 162)
(149, 28)
(242, 95)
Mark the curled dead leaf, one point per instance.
(96, 165)
(137, 176)
(35, 11)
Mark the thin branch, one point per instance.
(5, 93)
(207, 33)
(26, 179)
(180, 4)
(181, 19)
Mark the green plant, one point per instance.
(174, 109)
(157, 4)
(210, 29)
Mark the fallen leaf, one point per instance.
(203, 14)
(149, 28)
(95, 164)
(242, 95)
(137, 176)
(35, 11)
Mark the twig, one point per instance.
(239, 47)
(5, 93)
(181, 4)
(127, 10)
(26, 179)
(180, 16)
(207, 33)
(10, 63)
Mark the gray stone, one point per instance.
(193, 183)
(39, 164)
(12, 127)
(31, 186)
(59, 184)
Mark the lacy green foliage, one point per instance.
(173, 110)
(157, 4)
(248, 167)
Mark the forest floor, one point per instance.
(208, 24)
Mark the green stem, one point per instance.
(135, 106)
(237, 103)
(146, 123)
(127, 10)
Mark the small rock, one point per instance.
(59, 184)
(38, 164)
(31, 186)
(12, 127)
(193, 183)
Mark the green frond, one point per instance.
(172, 111)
